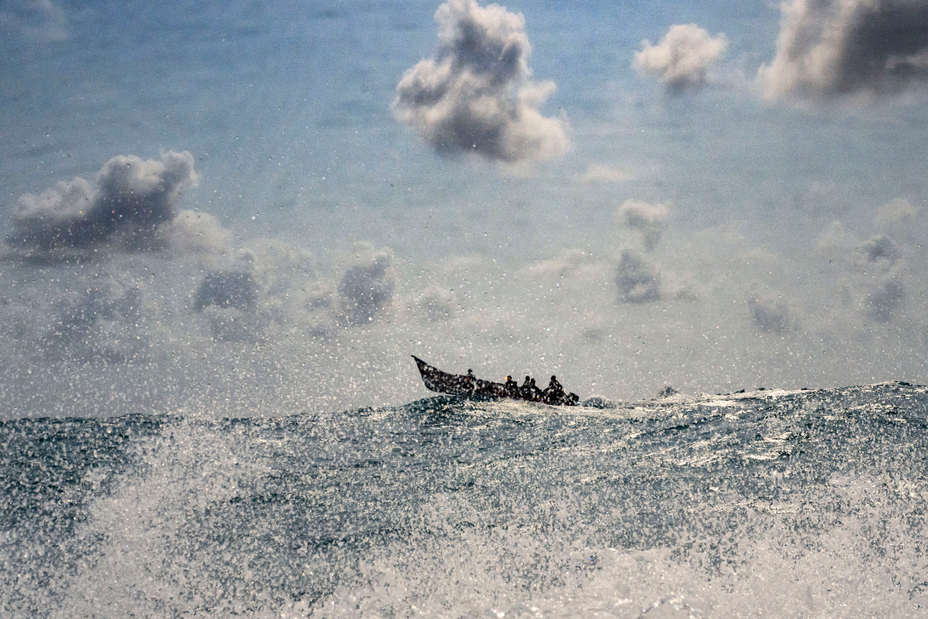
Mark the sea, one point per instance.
(764, 503)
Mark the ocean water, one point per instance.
(768, 503)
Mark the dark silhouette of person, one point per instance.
(511, 388)
(535, 392)
(526, 388)
(554, 392)
(470, 381)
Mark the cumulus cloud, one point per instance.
(133, 200)
(897, 212)
(682, 58)
(268, 288)
(191, 231)
(881, 258)
(102, 324)
(477, 95)
(236, 289)
(435, 304)
(650, 220)
(229, 301)
(903, 220)
(885, 298)
(278, 267)
(875, 269)
(637, 280)
(878, 250)
(840, 48)
(770, 316)
(835, 243)
(366, 288)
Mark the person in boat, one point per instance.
(554, 391)
(530, 391)
(526, 389)
(470, 381)
(511, 388)
(537, 394)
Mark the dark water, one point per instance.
(798, 504)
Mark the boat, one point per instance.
(469, 386)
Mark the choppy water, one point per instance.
(765, 504)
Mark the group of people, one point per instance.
(530, 391)
(553, 394)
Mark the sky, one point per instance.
(264, 207)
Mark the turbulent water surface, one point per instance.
(767, 503)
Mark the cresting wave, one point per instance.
(759, 504)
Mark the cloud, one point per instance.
(682, 58)
(228, 300)
(637, 280)
(435, 304)
(127, 210)
(477, 95)
(770, 316)
(265, 288)
(878, 250)
(885, 298)
(561, 266)
(874, 269)
(101, 324)
(194, 232)
(648, 219)
(842, 48)
(230, 324)
(898, 213)
(835, 243)
(236, 289)
(366, 289)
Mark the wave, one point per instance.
(780, 503)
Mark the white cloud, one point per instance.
(847, 48)
(133, 199)
(477, 95)
(770, 315)
(898, 213)
(366, 288)
(192, 231)
(650, 220)
(637, 280)
(682, 58)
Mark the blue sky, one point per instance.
(789, 206)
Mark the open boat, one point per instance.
(467, 386)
